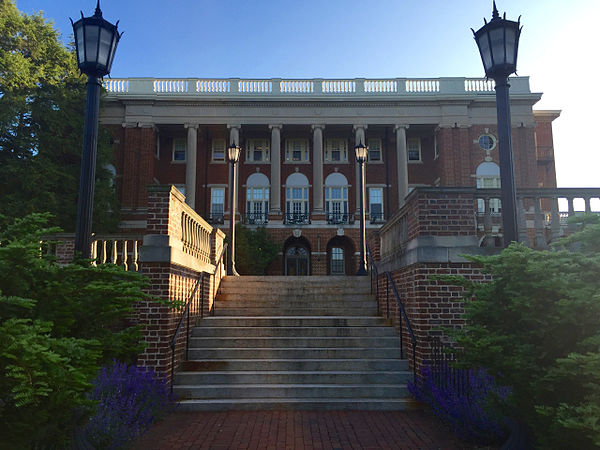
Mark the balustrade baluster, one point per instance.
(94, 252)
(125, 256)
(136, 267)
(555, 220)
(539, 240)
(113, 258)
(488, 240)
(588, 206)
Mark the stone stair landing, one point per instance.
(312, 343)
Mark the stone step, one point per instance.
(287, 289)
(232, 391)
(198, 343)
(285, 279)
(293, 321)
(293, 377)
(220, 310)
(295, 364)
(296, 353)
(300, 404)
(292, 331)
(274, 298)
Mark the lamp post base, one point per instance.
(362, 271)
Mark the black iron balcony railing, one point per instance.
(216, 218)
(376, 217)
(297, 218)
(256, 218)
(337, 218)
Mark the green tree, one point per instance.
(58, 325)
(254, 250)
(536, 327)
(42, 101)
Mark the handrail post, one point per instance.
(387, 295)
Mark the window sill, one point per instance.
(335, 162)
(178, 162)
(218, 162)
(415, 162)
(256, 162)
(296, 162)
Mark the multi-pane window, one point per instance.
(179, 146)
(296, 150)
(488, 177)
(336, 204)
(376, 204)
(337, 261)
(436, 149)
(374, 149)
(296, 204)
(257, 205)
(218, 149)
(336, 150)
(217, 204)
(257, 150)
(413, 149)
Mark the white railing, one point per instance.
(359, 87)
(427, 85)
(119, 250)
(479, 85)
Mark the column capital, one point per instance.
(129, 124)
(317, 126)
(401, 126)
(147, 125)
(234, 126)
(191, 125)
(277, 126)
(359, 127)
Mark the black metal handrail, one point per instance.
(256, 218)
(297, 218)
(389, 281)
(186, 313)
(217, 265)
(339, 218)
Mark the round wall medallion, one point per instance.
(340, 231)
(297, 232)
(487, 142)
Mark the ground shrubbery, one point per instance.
(58, 327)
(254, 250)
(536, 328)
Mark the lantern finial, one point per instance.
(495, 14)
(98, 12)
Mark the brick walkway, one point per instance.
(299, 430)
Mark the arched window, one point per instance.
(257, 199)
(296, 199)
(488, 176)
(336, 198)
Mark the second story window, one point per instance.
(413, 147)
(257, 199)
(336, 198)
(296, 199)
(179, 147)
(257, 150)
(296, 150)
(374, 150)
(376, 204)
(336, 150)
(217, 204)
(218, 150)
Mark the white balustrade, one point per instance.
(381, 86)
(117, 85)
(213, 86)
(296, 86)
(195, 237)
(118, 250)
(170, 86)
(338, 86)
(255, 86)
(425, 85)
(479, 85)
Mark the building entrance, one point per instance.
(296, 261)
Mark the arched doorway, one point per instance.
(296, 256)
(340, 252)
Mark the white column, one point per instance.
(190, 164)
(318, 168)
(359, 137)
(402, 159)
(234, 138)
(275, 205)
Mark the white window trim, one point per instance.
(266, 151)
(436, 149)
(328, 148)
(380, 188)
(178, 161)
(380, 160)
(418, 140)
(288, 151)
(212, 189)
(212, 151)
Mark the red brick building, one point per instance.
(297, 172)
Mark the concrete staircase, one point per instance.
(309, 343)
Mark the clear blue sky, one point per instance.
(352, 38)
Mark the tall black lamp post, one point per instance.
(95, 44)
(361, 157)
(498, 43)
(233, 156)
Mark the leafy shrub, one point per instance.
(254, 250)
(129, 399)
(536, 328)
(470, 411)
